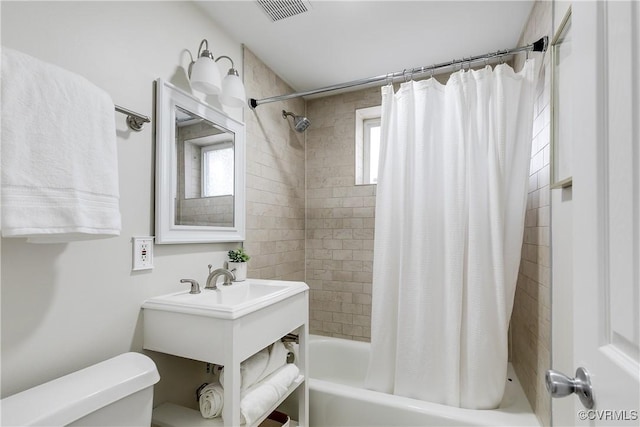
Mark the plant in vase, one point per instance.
(237, 263)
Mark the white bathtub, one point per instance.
(337, 397)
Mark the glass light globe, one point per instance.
(205, 76)
(233, 93)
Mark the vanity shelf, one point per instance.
(168, 414)
(225, 327)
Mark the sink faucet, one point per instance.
(213, 276)
(195, 286)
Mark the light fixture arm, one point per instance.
(232, 70)
(225, 56)
(206, 51)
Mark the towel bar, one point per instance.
(135, 120)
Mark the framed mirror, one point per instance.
(200, 170)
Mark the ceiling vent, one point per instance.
(281, 9)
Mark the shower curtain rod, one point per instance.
(538, 46)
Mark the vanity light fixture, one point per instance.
(204, 76)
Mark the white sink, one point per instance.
(227, 302)
(226, 326)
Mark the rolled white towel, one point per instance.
(259, 398)
(251, 370)
(211, 401)
(260, 365)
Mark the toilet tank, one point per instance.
(116, 392)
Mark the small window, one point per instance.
(217, 170)
(367, 145)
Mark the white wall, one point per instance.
(66, 306)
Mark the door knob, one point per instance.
(560, 385)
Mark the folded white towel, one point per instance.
(59, 154)
(211, 401)
(277, 359)
(251, 369)
(257, 400)
(260, 365)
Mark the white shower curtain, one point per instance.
(451, 199)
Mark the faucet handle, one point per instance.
(228, 280)
(195, 286)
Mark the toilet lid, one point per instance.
(68, 398)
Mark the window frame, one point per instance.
(366, 118)
(223, 145)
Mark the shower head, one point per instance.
(300, 123)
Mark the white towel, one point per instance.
(251, 369)
(260, 365)
(59, 154)
(211, 401)
(277, 359)
(262, 396)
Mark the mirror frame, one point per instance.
(559, 179)
(168, 97)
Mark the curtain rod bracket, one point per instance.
(541, 45)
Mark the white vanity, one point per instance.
(225, 327)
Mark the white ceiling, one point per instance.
(339, 41)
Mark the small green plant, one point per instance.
(239, 255)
